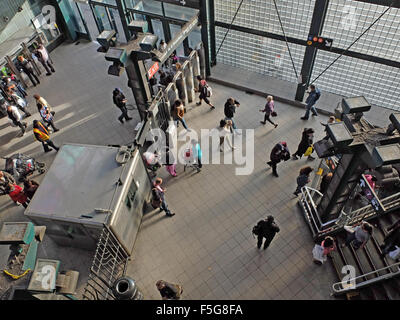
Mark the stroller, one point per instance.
(190, 161)
(20, 166)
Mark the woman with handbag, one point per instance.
(45, 112)
(305, 143)
(269, 111)
(303, 179)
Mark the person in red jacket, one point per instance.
(17, 195)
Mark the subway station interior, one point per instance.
(83, 215)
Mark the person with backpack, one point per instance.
(307, 138)
(26, 66)
(303, 179)
(205, 92)
(229, 110)
(42, 134)
(19, 102)
(269, 111)
(159, 197)
(311, 100)
(15, 117)
(267, 229)
(278, 153)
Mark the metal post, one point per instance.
(212, 32)
(83, 21)
(28, 55)
(204, 33)
(122, 15)
(317, 23)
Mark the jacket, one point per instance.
(313, 97)
(302, 180)
(268, 229)
(14, 115)
(4, 182)
(203, 89)
(25, 65)
(229, 109)
(279, 152)
(45, 114)
(41, 133)
(305, 142)
(269, 107)
(42, 54)
(118, 100)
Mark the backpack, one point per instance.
(318, 94)
(256, 229)
(209, 91)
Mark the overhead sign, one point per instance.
(153, 69)
(319, 42)
(184, 3)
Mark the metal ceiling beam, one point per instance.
(386, 3)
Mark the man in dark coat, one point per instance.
(230, 109)
(120, 101)
(306, 141)
(278, 153)
(26, 66)
(266, 229)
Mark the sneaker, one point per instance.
(296, 194)
(55, 130)
(198, 103)
(120, 120)
(275, 125)
(262, 122)
(294, 157)
(314, 115)
(212, 108)
(311, 158)
(129, 119)
(275, 174)
(220, 150)
(170, 215)
(27, 114)
(304, 118)
(48, 74)
(23, 133)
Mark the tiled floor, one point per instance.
(207, 246)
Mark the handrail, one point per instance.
(346, 287)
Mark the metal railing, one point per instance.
(351, 284)
(108, 265)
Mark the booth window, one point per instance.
(131, 195)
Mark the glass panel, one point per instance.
(175, 29)
(158, 30)
(179, 12)
(77, 18)
(262, 15)
(102, 18)
(147, 5)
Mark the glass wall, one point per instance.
(345, 22)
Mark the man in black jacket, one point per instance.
(120, 101)
(27, 67)
(230, 109)
(278, 153)
(266, 229)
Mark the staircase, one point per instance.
(377, 277)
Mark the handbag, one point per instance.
(318, 254)
(395, 253)
(274, 114)
(308, 151)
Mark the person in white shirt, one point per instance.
(15, 117)
(44, 58)
(225, 133)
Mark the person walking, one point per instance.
(303, 179)
(159, 197)
(26, 66)
(306, 141)
(229, 111)
(15, 117)
(13, 82)
(224, 130)
(19, 102)
(197, 153)
(170, 164)
(312, 98)
(204, 92)
(44, 58)
(42, 135)
(267, 229)
(178, 113)
(17, 195)
(359, 235)
(169, 291)
(269, 111)
(278, 153)
(48, 117)
(120, 101)
(320, 252)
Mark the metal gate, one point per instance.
(109, 264)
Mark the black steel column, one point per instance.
(212, 32)
(204, 33)
(317, 23)
(121, 11)
(165, 25)
(93, 9)
(148, 19)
